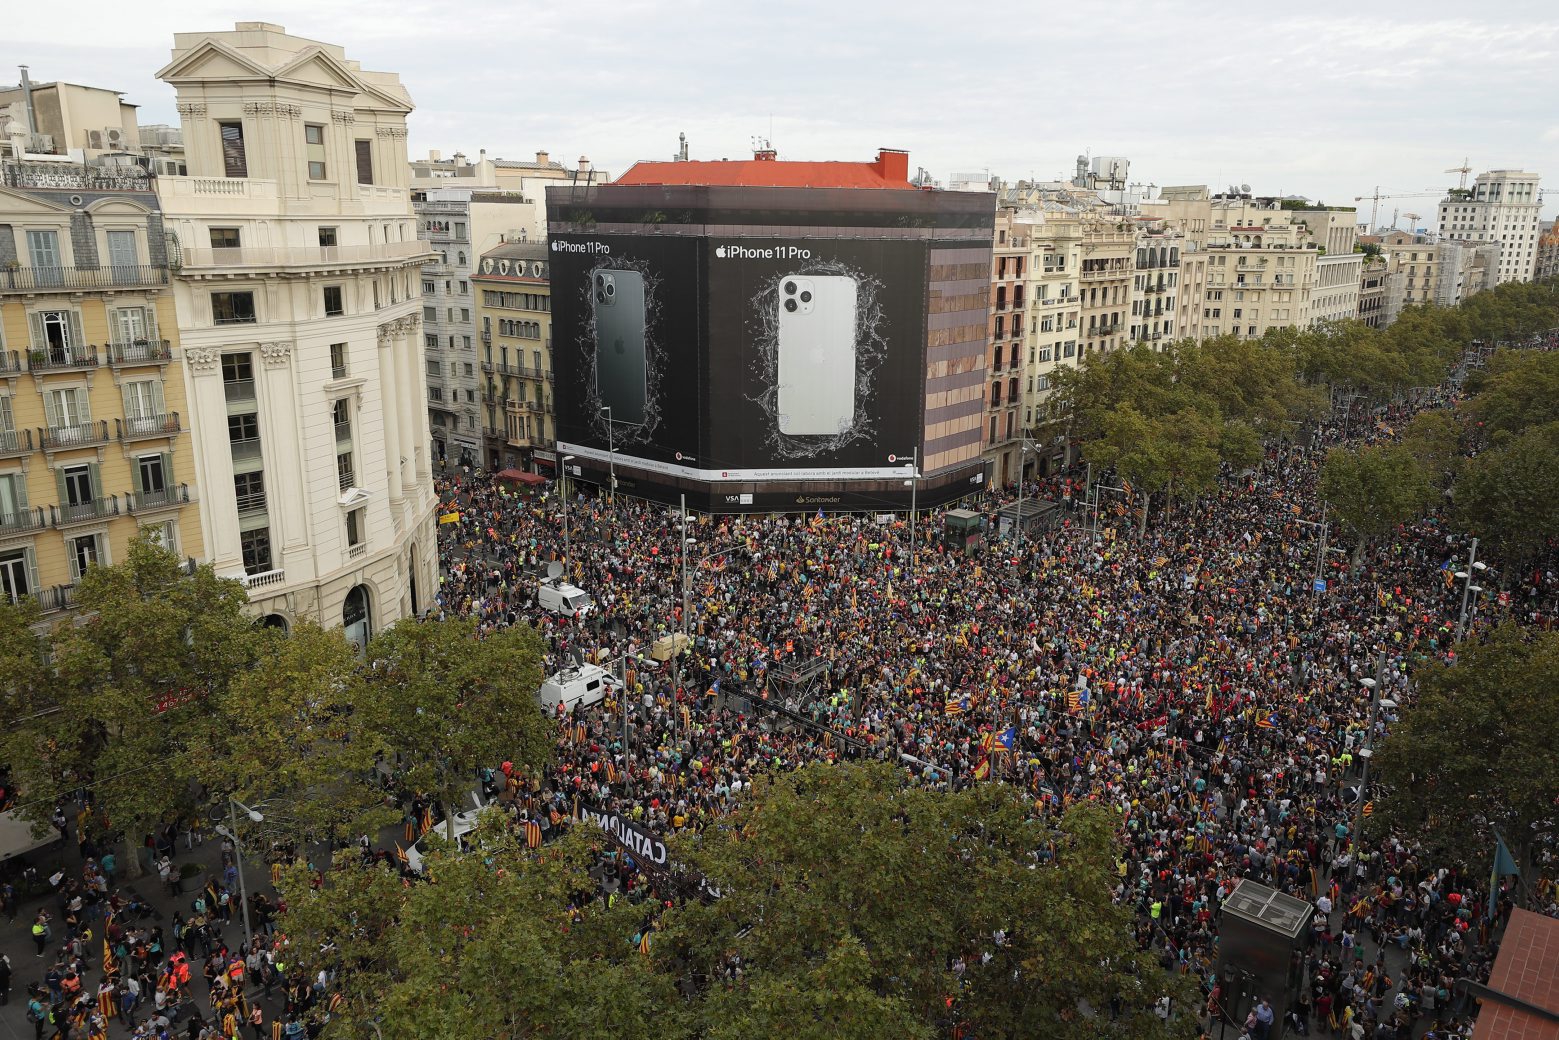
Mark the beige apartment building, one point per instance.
(1009, 315)
(1547, 264)
(1109, 250)
(1338, 268)
(70, 119)
(1412, 264)
(1373, 277)
(514, 319)
(1503, 206)
(1156, 284)
(94, 429)
(300, 315)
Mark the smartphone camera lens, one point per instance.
(600, 279)
(790, 305)
(611, 288)
(806, 297)
(790, 288)
(601, 296)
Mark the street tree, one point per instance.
(1474, 754)
(1373, 490)
(451, 701)
(298, 732)
(847, 864)
(121, 713)
(1509, 495)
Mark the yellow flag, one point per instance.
(449, 518)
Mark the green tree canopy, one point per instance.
(1509, 495)
(1475, 752)
(1374, 489)
(451, 701)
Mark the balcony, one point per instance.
(146, 426)
(22, 520)
(1105, 273)
(67, 279)
(66, 514)
(140, 352)
(167, 498)
(253, 196)
(346, 479)
(10, 362)
(196, 261)
(252, 502)
(76, 435)
(357, 551)
(14, 443)
(487, 366)
(55, 599)
(262, 579)
(61, 359)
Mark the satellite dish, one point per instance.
(579, 657)
(554, 569)
(1245, 188)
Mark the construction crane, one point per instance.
(1464, 170)
(1412, 222)
(1375, 200)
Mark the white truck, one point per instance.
(560, 597)
(582, 686)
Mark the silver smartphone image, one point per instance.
(816, 369)
(621, 364)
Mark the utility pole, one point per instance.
(1320, 552)
(680, 651)
(563, 463)
(611, 448)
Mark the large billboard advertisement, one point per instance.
(740, 359)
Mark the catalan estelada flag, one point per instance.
(1267, 720)
(110, 966)
(1009, 738)
(956, 705)
(532, 834)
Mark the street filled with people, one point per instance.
(1217, 677)
(1207, 678)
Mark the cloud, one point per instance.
(1325, 101)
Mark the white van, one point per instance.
(582, 686)
(465, 823)
(560, 597)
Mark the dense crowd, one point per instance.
(1193, 676)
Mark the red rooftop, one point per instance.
(766, 170)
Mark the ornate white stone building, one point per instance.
(298, 295)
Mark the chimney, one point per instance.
(481, 155)
(541, 158)
(459, 158)
(27, 107)
(584, 164)
(434, 155)
(893, 164)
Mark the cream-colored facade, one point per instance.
(1547, 266)
(1373, 278)
(1109, 250)
(514, 319)
(1503, 206)
(1412, 264)
(1010, 255)
(75, 120)
(94, 434)
(1464, 270)
(300, 314)
(1156, 284)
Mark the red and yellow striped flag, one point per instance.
(532, 834)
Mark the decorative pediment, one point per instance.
(213, 59)
(14, 203)
(317, 67)
(111, 205)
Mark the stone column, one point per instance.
(389, 413)
(406, 355)
(282, 444)
(207, 403)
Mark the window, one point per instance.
(434, 368)
(460, 230)
(430, 341)
(327, 237)
(430, 314)
(334, 308)
(469, 371)
(143, 405)
(13, 499)
(341, 417)
(243, 435)
(465, 341)
(58, 332)
(355, 530)
(76, 488)
(225, 237)
(249, 490)
(365, 161)
(232, 308)
(67, 411)
(344, 473)
(255, 546)
(338, 361)
(429, 287)
(151, 472)
(83, 554)
(17, 570)
(314, 147)
(435, 394)
(234, 161)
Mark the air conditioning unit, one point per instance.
(114, 137)
(95, 140)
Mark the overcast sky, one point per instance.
(1325, 99)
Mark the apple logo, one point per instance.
(720, 252)
(556, 245)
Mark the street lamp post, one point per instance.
(914, 487)
(611, 449)
(1377, 701)
(563, 462)
(679, 651)
(1474, 565)
(233, 805)
(1320, 551)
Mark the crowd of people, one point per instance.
(1197, 676)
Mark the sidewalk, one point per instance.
(27, 968)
